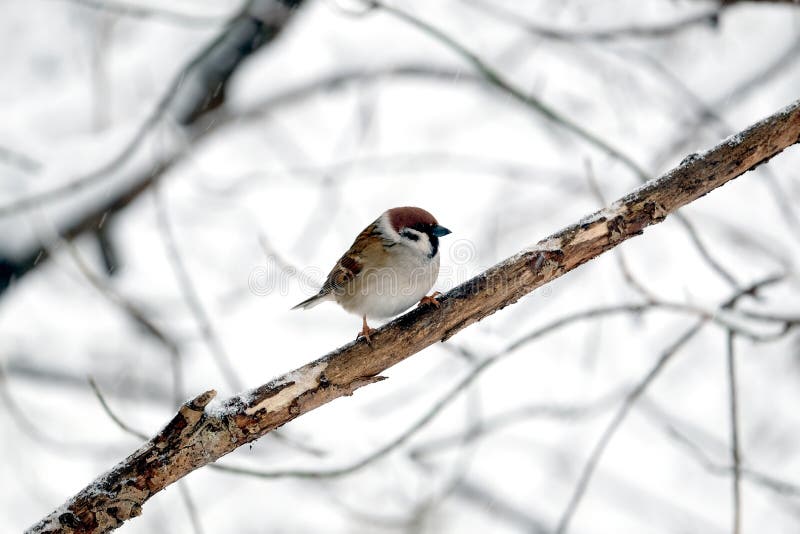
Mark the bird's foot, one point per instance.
(366, 332)
(430, 299)
(366, 335)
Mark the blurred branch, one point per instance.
(125, 305)
(731, 2)
(672, 430)
(707, 18)
(138, 316)
(26, 368)
(215, 120)
(530, 101)
(106, 408)
(706, 113)
(197, 436)
(19, 160)
(412, 162)
(630, 400)
(218, 117)
(498, 422)
(345, 78)
(690, 132)
(734, 419)
(484, 500)
(197, 89)
(534, 104)
(191, 507)
(37, 432)
(125, 9)
(619, 417)
(192, 298)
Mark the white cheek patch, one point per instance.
(422, 243)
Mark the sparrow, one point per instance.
(391, 265)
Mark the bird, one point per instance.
(391, 265)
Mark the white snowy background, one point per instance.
(293, 186)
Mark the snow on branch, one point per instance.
(197, 436)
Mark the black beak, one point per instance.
(439, 231)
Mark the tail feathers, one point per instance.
(313, 301)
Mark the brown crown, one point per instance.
(407, 217)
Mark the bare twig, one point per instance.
(481, 499)
(631, 279)
(753, 476)
(194, 91)
(734, 419)
(19, 160)
(597, 451)
(426, 161)
(24, 368)
(191, 507)
(106, 408)
(496, 423)
(712, 262)
(186, 107)
(197, 436)
(536, 105)
(530, 101)
(34, 430)
(706, 18)
(192, 298)
(139, 317)
(706, 113)
(618, 419)
(136, 11)
(217, 120)
(689, 132)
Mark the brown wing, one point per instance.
(352, 262)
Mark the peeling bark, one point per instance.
(197, 436)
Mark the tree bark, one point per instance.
(197, 436)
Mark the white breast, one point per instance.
(386, 292)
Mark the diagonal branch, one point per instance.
(198, 435)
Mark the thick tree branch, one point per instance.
(197, 436)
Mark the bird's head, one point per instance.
(414, 228)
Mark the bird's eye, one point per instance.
(409, 235)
